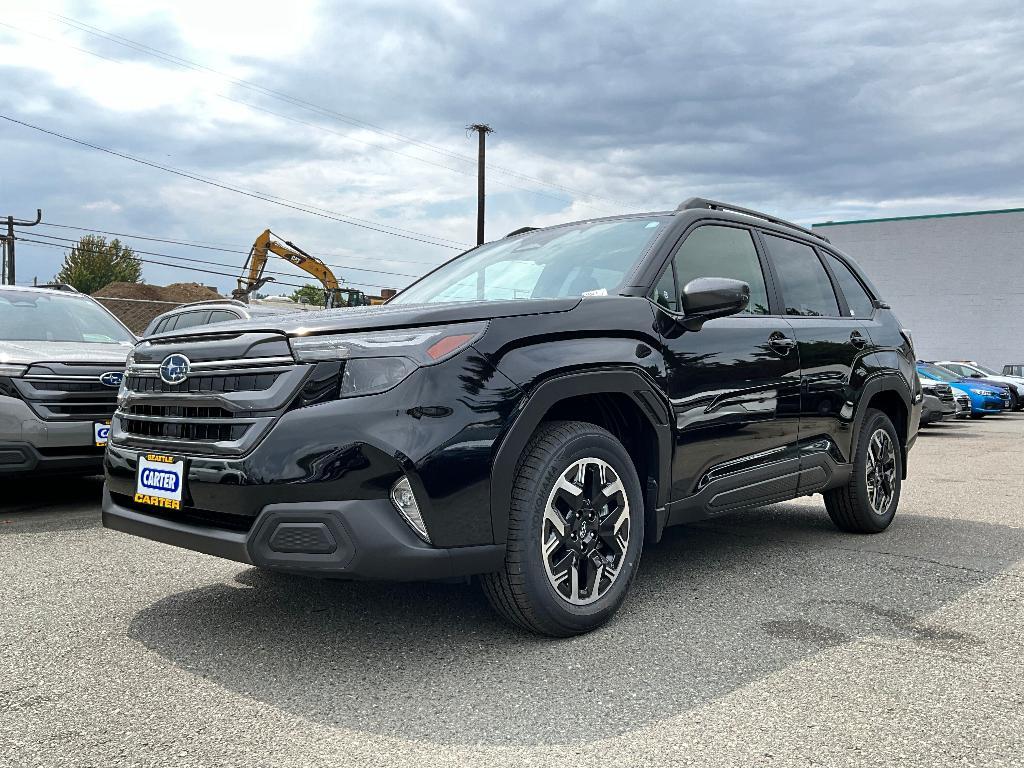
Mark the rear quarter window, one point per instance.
(857, 298)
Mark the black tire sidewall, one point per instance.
(869, 518)
(548, 603)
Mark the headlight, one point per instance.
(7, 369)
(376, 361)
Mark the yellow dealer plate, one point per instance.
(160, 480)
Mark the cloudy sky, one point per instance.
(341, 125)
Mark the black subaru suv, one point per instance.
(533, 412)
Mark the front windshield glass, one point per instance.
(592, 258)
(935, 372)
(983, 369)
(54, 316)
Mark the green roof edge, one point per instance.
(922, 216)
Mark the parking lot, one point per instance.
(765, 638)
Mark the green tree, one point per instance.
(309, 294)
(94, 263)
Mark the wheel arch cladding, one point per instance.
(890, 395)
(625, 402)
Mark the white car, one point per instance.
(972, 370)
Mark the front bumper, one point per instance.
(30, 444)
(18, 458)
(358, 539)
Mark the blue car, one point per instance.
(985, 398)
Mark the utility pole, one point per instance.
(9, 242)
(482, 130)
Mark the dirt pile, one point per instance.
(136, 304)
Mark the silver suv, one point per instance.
(62, 359)
(210, 312)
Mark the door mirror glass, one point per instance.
(976, 375)
(706, 298)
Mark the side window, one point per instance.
(171, 322)
(713, 251)
(664, 292)
(806, 289)
(221, 316)
(856, 296)
(190, 320)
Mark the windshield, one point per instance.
(983, 369)
(53, 316)
(592, 258)
(935, 372)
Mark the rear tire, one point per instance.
(867, 503)
(575, 532)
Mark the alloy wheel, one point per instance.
(881, 471)
(585, 532)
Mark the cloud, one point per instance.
(814, 112)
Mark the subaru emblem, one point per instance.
(111, 378)
(174, 369)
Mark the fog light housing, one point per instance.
(405, 502)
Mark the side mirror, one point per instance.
(977, 376)
(706, 298)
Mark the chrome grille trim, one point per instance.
(224, 407)
(213, 366)
(69, 396)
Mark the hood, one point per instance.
(385, 316)
(982, 384)
(28, 352)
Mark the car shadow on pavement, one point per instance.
(51, 502)
(715, 607)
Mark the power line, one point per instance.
(311, 106)
(226, 249)
(160, 263)
(197, 269)
(230, 250)
(284, 202)
(198, 261)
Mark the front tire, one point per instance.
(575, 532)
(867, 503)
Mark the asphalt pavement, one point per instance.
(763, 638)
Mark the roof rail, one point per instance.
(233, 302)
(700, 202)
(521, 230)
(60, 287)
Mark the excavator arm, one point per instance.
(265, 245)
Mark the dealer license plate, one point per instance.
(160, 480)
(100, 432)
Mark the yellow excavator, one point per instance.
(252, 279)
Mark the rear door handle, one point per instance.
(858, 340)
(781, 343)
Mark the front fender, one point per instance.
(632, 382)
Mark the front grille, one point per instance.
(179, 411)
(251, 382)
(944, 392)
(68, 391)
(170, 430)
(222, 408)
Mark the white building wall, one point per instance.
(957, 282)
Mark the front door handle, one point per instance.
(858, 340)
(781, 343)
